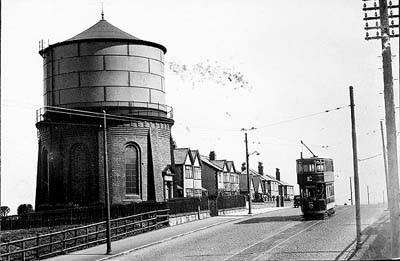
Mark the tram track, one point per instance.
(262, 248)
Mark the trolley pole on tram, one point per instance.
(355, 165)
(106, 187)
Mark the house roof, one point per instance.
(230, 165)
(265, 177)
(206, 160)
(180, 155)
(219, 163)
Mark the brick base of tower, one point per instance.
(71, 162)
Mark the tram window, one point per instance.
(328, 165)
(320, 167)
(309, 167)
(330, 190)
(310, 192)
(299, 168)
(320, 191)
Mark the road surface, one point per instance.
(278, 235)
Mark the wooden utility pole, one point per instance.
(247, 172)
(106, 187)
(368, 194)
(351, 192)
(385, 164)
(355, 166)
(391, 137)
(392, 162)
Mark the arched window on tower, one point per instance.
(132, 170)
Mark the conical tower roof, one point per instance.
(103, 30)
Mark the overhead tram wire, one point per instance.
(303, 117)
(63, 110)
(275, 123)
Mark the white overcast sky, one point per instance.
(298, 56)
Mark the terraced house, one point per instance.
(211, 176)
(230, 178)
(187, 170)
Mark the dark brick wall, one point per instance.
(209, 180)
(178, 179)
(60, 140)
(80, 148)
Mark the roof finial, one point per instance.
(102, 11)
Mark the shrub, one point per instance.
(24, 209)
(4, 210)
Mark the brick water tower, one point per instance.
(102, 69)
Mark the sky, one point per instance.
(297, 59)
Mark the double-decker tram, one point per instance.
(315, 177)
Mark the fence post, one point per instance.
(23, 249)
(51, 243)
(64, 241)
(37, 246)
(198, 212)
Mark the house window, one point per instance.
(132, 170)
(188, 172)
(189, 192)
(197, 173)
(226, 177)
(197, 192)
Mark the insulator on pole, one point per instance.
(390, 3)
(375, 4)
(376, 23)
(377, 33)
(365, 5)
(366, 24)
(366, 15)
(367, 34)
(392, 22)
(376, 14)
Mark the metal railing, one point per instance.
(52, 244)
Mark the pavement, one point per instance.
(377, 243)
(127, 245)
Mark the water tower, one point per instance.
(102, 69)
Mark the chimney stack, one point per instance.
(278, 174)
(260, 168)
(243, 166)
(212, 156)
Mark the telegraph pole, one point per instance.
(368, 194)
(106, 187)
(393, 178)
(351, 192)
(247, 166)
(385, 164)
(247, 172)
(355, 166)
